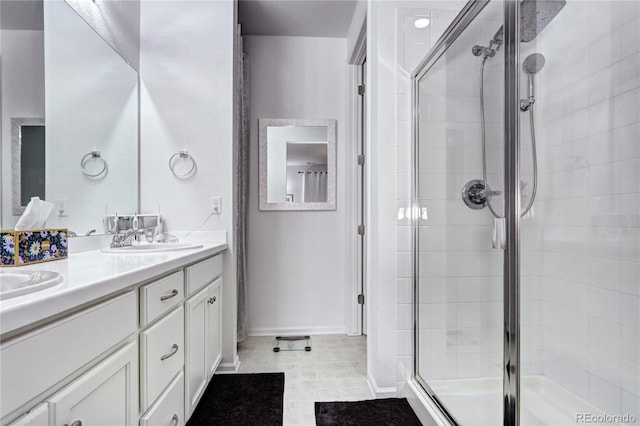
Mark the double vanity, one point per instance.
(126, 338)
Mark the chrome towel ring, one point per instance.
(184, 155)
(89, 156)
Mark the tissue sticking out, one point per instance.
(35, 214)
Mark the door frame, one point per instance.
(355, 323)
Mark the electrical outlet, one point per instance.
(216, 205)
(61, 207)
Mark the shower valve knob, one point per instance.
(476, 194)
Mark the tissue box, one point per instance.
(19, 248)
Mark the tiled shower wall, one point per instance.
(408, 48)
(584, 238)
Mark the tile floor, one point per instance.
(334, 370)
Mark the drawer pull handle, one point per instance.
(212, 299)
(76, 423)
(173, 352)
(173, 293)
(174, 420)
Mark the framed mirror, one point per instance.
(297, 164)
(27, 161)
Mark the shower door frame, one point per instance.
(512, 206)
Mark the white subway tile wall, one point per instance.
(584, 235)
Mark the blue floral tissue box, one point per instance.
(19, 248)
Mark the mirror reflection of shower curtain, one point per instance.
(314, 187)
(242, 189)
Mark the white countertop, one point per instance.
(90, 276)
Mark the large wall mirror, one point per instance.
(59, 73)
(297, 164)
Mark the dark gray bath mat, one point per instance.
(374, 412)
(241, 399)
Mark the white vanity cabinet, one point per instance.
(105, 395)
(141, 357)
(203, 328)
(43, 359)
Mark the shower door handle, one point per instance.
(499, 236)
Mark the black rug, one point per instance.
(375, 412)
(241, 399)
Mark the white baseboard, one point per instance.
(295, 331)
(424, 408)
(229, 367)
(377, 391)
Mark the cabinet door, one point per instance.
(196, 309)
(39, 416)
(213, 348)
(105, 395)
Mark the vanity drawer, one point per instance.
(161, 356)
(203, 273)
(38, 360)
(168, 410)
(160, 296)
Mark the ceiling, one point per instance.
(21, 15)
(300, 18)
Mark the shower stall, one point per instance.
(526, 130)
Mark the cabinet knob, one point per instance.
(174, 350)
(77, 423)
(174, 420)
(212, 299)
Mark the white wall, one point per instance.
(296, 260)
(187, 79)
(393, 51)
(22, 60)
(381, 207)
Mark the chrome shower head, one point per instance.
(533, 63)
(535, 15)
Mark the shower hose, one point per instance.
(534, 155)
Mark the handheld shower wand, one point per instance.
(532, 64)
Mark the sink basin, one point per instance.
(18, 282)
(152, 248)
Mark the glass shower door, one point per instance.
(459, 133)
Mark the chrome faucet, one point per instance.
(126, 239)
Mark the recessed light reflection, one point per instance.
(421, 23)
